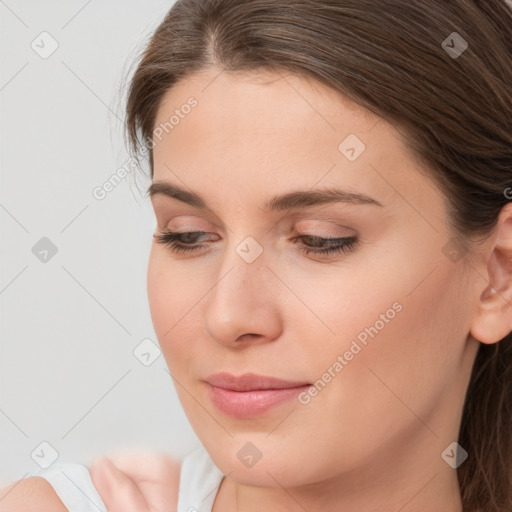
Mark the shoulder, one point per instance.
(33, 493)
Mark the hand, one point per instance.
(137, 482)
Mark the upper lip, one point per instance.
(250, 382)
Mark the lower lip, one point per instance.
(249, 404)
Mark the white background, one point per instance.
(68, 375)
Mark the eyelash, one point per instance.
(345, 244)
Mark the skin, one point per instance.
(137, 482)
(372, 439)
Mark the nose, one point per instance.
(241, 307)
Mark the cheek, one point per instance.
(174, 294)
(400, 342)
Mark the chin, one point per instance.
(272, 469)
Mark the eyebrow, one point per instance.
(290, 200)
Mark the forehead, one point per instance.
(269, 113)
(262, 103)
(266, 131)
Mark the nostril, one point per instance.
(241, 338)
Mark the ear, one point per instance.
(492, 320)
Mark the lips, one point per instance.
(250, 395)
(250, 382)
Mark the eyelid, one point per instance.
(186, 223)
(323, 227)
(318, 228)
(167, 213)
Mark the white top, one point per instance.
(199, 482)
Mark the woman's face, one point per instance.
(378, 330)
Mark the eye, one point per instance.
(179, 242)
(327, 245)
(187, 242)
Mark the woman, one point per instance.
(331, 278)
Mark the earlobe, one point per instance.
(493, 318)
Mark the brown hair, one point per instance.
(392, 57)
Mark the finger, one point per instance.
(144, 465)
(156, 475)
(117, 490)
